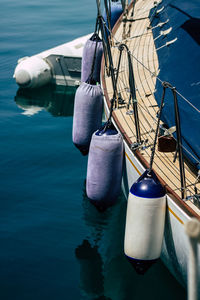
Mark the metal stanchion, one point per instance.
(192, 229)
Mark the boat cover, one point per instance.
(179, 64)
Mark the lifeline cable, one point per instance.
(157, 128)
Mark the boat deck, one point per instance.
(138, 36)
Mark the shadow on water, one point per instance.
(57, 100)
(105, 273)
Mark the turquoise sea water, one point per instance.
(53, 243)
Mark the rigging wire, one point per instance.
(146, 146)
(157, 128)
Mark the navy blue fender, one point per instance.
(115, 13)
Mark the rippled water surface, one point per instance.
(53, 243)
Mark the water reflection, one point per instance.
(104, 271)
(91, 269)
(100, 248)
(57, 100)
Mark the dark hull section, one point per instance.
(179, 63)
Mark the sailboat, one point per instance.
(151, 93)
(160, 39)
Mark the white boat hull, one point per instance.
(175, 248)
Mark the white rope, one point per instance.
(163, 33)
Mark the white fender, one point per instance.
(144, 227)
(145, 222)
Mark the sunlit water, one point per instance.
(54, 244)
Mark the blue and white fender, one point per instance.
(145, 221)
